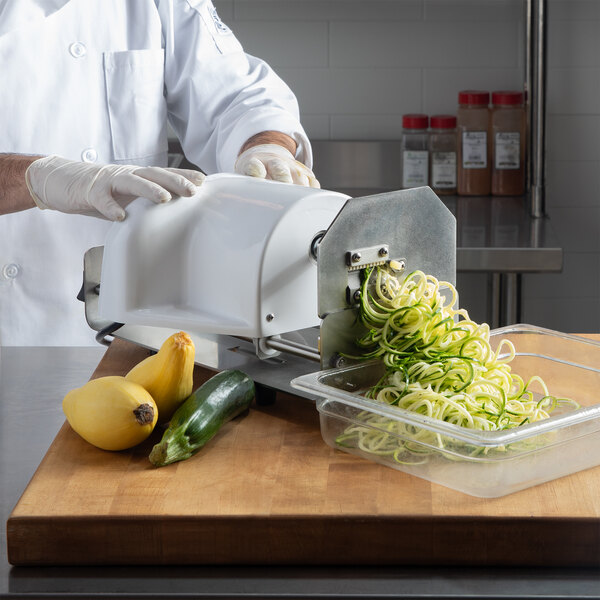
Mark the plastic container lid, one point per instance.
(443, 122)
(507, 98)
(474, 97)
(415, 121)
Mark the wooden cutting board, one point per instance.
(267, 490)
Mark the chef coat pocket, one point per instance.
(137, 108)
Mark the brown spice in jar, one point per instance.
(509, 136)
(474, 144)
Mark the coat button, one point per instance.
(11, 271)
(89, 155)
(77, 49)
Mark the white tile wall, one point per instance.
(578, 228)
(465, 44)
(385, 91)
(357, 66)
(573, 137)
(560, 285)
(574, 10)
(574, 43)
(473, 10)
(572, 184)
(573, 91)
(441, 85)
(302, 44)
(225, 10)
(362, 127)
(327, 10)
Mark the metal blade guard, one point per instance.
(412, 228)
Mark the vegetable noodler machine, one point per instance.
(263, 275)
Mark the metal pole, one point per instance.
(292, 348)
(511, 294)
(528, 85)
(536, 53)
(494, 300)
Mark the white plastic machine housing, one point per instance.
(232, 259)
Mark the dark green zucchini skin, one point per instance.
(217, 401)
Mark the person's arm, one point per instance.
(271, 137)
(219, 97)
(14, 195)
(69, 186)
(270, 155)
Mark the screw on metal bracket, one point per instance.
(356, 296)
(383, 251)
(337, 361)
(397, 265)
(270, 317)
(356, 257)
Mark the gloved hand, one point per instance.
(271, 161)
(103, 190)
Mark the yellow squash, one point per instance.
(168, 375)
(111, 412)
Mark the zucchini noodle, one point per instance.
(439, 363)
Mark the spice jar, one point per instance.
(415, 155)
(474, 147)
(442, 154)
(508, 151)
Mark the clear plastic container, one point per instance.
(442, 154)
(508, 149)
(415, 153)
(474, 147)
(486, 464)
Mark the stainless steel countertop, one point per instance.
(496, 234)
(33, 382)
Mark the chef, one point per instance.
(88, 87)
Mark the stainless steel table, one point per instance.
(497, 236)
(33, 382)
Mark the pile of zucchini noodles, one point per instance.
(439, 363)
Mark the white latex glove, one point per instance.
(271, 161)
(103, 190)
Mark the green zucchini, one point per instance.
(217, 401)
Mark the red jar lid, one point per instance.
(507, 98)
(415, 121)
(476, 97)
(443, 122)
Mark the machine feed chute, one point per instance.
(234, 259)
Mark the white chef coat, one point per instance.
(96, 80)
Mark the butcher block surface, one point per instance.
(267, 490)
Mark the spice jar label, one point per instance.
(507, 150)
(474, 149)
(414, 168)
(443, 170)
